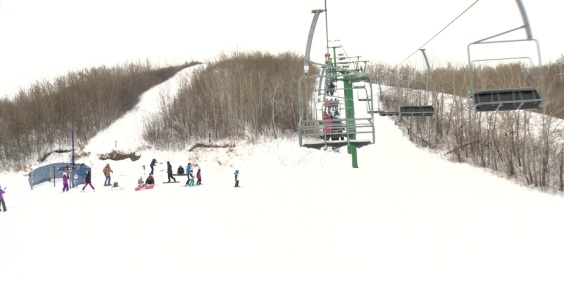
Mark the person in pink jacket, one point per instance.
(88, 180)
(199, 176)
(65, 182)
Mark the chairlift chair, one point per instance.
(409, 107)
(506, 99)
(316, 132)
(365, 97)
(385, 96)
(513, 98)
(427, 110)
(420, 109)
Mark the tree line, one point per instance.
(252, 95)
(238, 96)
(39, 120)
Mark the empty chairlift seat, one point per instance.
(511, 97)
(425, 110)
(387, 113)
(506, 99)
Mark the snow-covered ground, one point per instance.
(301, 214)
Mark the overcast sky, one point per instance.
(43, 39)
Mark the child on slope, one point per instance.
(65, 182)
(199, 176)
(191, 179)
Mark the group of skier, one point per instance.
(87, 180)
(180, 171)
(189, 172)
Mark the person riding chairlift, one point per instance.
(331, 90)
(327, 121)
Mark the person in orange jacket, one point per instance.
(107, 173)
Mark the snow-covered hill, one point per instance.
(301, 214)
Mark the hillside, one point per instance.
(301, 214)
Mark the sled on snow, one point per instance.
(144, 187)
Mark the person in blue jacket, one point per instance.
(2, 202)
(188, 170)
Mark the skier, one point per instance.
(75, 181)
(188, 170)
(107, 172)
(191, 178)
(153, 163)
(199, 176)
(2, 202)
(236, 178)
(88, 181)
(65, 182)
(169, 171)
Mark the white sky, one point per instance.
(301, 214)
(44, 39)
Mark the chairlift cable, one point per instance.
(437, 34)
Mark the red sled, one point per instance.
(144, 187)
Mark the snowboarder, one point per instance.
(2, 202)
(236, 178)
(65, 182)
(88, 180)
(107, 172)
(169, 171)
(140, 182)
(199, 176)
(153, 163)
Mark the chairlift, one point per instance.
(364, 97)
(314, 131)
(383, 102)
(335, 131)
(396, 103)
(511, 98)
(415, 108)
(319, 132)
